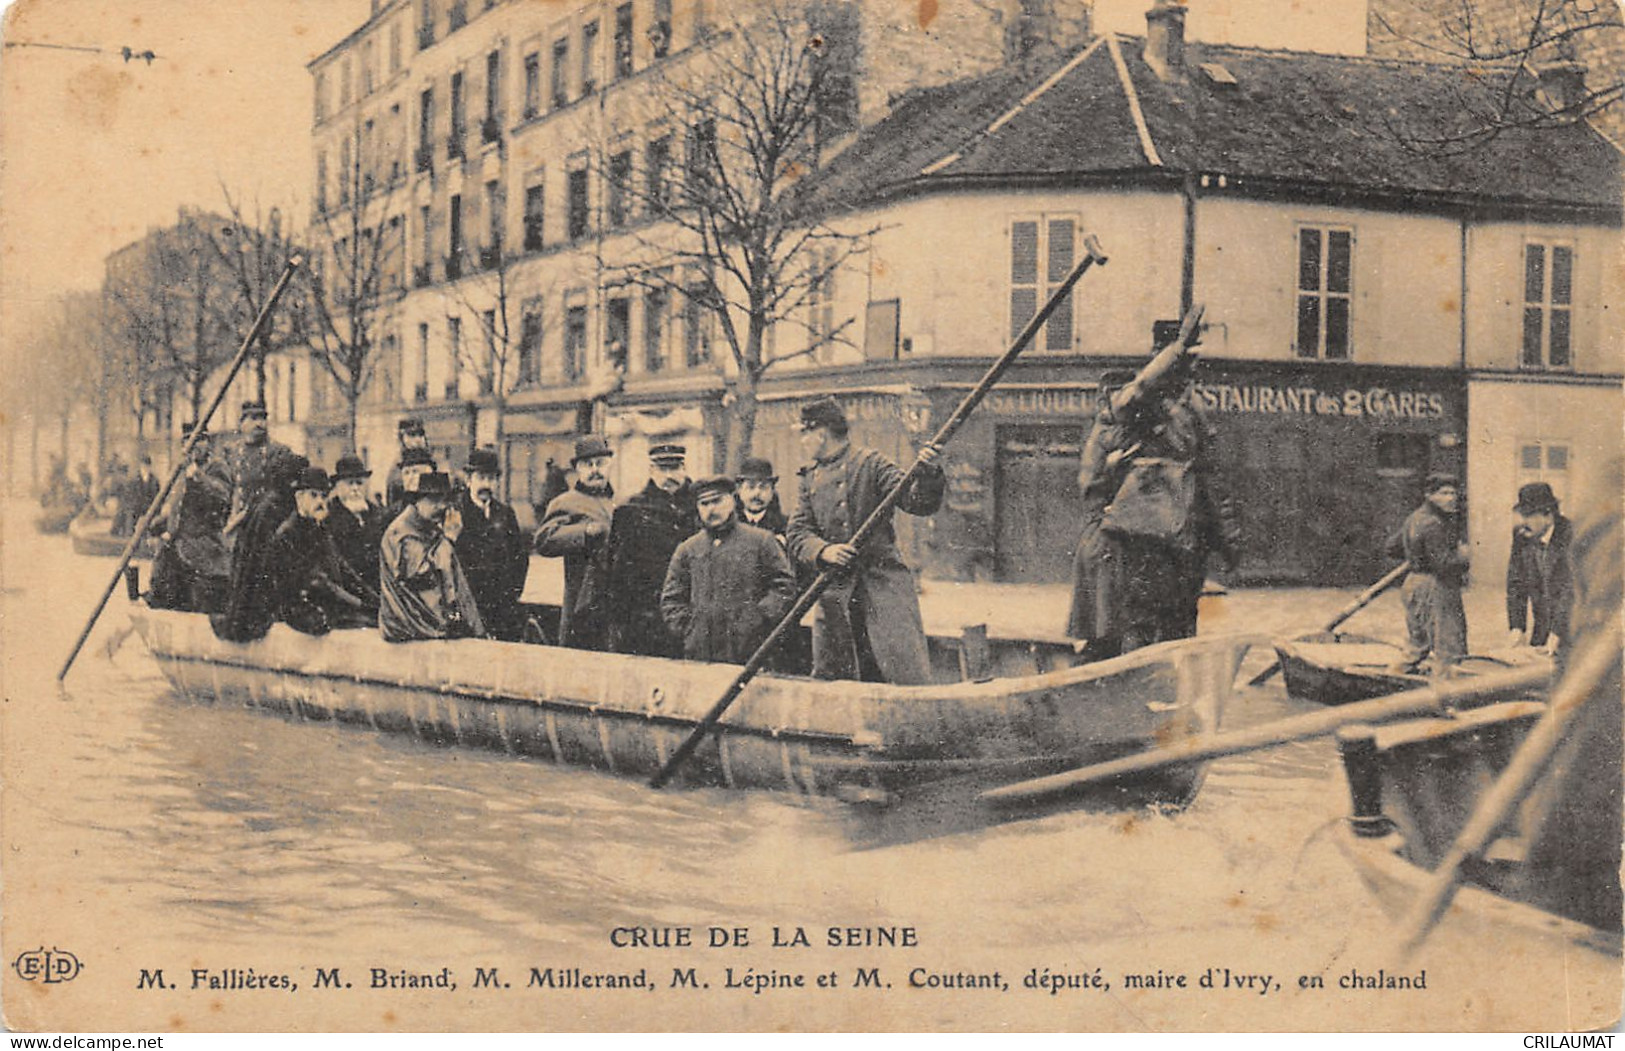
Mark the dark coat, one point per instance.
(133, 500)
(643, 535)
(576, 529)
(724, 593)
(1429, 540)
(316, 590)
(192, 567)
(1540, 580)
(495, 556)
(1434, 618)
(423, 592)
(357, 537)
(877, 595)
(254, 593)
(250, 468)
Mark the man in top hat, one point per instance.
(727, 585)
(643, 535)
(317, 591)
(575, 527)
(1154, 512)
(1540, 573)
(493, 551)
(193, 563)
(254, 592)
(759, 496)
(868, 624)
(249, 463)
(410, 436)
(1431, 541)
(355, 523)
(423, 593)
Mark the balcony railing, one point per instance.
(491, 130)
(423, 159)
(425, 37)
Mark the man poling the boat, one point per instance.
(191, 569)
(423, 591)
(1430, 541)
(250, 463)
(576, 528)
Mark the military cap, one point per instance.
(668, 454)
(756, 469)
(251, 408)
(719, 483)
(824, 412)
(591, 446)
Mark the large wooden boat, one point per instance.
(1334, 668)
(1020, 708)
(93, 535)
(1549, 884)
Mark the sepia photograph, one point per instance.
(763, 516)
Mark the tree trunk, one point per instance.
(353, 400)
(742, 422)
(259, 368)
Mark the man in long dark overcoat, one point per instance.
(254, 593)
(727, 585)
(250, 464)
(193, 564)
(355, 523)
(494, 552)
(1540, 573)
(643, 535)
(868, 624)
(317, 591)
(575, 528)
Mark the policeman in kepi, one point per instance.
(868, 623)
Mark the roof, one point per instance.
(1298, 120)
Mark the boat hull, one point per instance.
(1333, 669)
(627, 715)
(94, 536)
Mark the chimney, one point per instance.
(1165, 39)
(1561, 85)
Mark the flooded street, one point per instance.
(165, 835)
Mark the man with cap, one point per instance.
(868, 624)
(410, 436)
(493, 551)
(249, 464)
(1540, 573)
(643, 535)
(1154, 512)
(355, 523)
(575, 528)
(254, 592)
(193, 564)
(317, 591)
(423, 593)
(727, 585)
(1430, 540)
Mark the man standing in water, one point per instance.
(1430, 540)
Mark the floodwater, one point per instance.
(145, 832)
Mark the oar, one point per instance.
(1393, 577)
(1428, 700)
(185, 455)
(1092, 255)
(1588, 670)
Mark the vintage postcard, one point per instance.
(829, 515)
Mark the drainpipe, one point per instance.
(1187, 267)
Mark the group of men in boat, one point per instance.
(691, 569)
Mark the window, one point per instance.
(454, 364)
(657, 169)
(561, 73)
(656, 308)
(454, 144)
(346, 171)
(425, 154)
(420, 277)
(577, 221)
(1548, 305)
(530, 342)
(881, 331)
(1041, 257)
(493, 88)
(1545, 460)
(421, 387)
(1325, 264)
(620, 186)
(533, 218)
(660, 32)
(425, 24)
(321, 183)
(589, 58)
(488, 372)
(493, 232)
(346, 72)
(617, 331)
(821, 306)
(394, 47)
(392, 251)
(368, 79)
(533, 84)
(293, 386)
(575, 343)
(702, 154)
(454, 256)
(623, 41)
(696, 327)
(321, 96)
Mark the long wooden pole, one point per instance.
(1588, 670)
(1427, 700)
(1092, 255)
(184, 458)
(1393, 577)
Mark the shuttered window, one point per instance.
(1042, 253)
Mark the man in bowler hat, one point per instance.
(575, 527)
(355, 523)
(1431, 541)
(493, 551)
(868, 624)
(424, 593)
(1540, 573)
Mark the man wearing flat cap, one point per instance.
(249, 463)
(494, 552)
(643, 535)
(727, 585)
(1431, 541)
(409, 435)
(575, 528)
(193, 563)
(423, 591)
(868, 624)
(1540, 573)
(355, 522)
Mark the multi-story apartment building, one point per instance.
(1376, 309)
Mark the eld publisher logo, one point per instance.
(50, 966)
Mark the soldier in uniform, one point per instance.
(575, 528)
(409, 435)
(193, 564)
(728, 585)
(868, 624)
(643, 535)
(494, 553)
(355, 523)
(1540, 573)
(1430, 540)
(249, 464)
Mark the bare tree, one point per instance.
(254, 249)
(1529, 64)
(732, 236)
(487, 294)
(356, 279)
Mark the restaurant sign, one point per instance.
(1310, 401)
